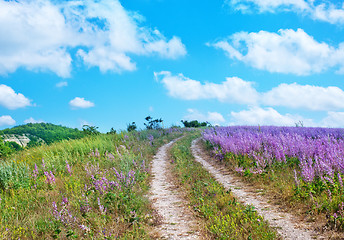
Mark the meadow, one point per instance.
(89, 188)
(302, 167)
(98, 186)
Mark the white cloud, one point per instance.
(12, 100)
(123, 35)
(233, 89)
(305, 97)
(333, 119)
(266, 116)
(38, 36)
(167, 49)
(236, 90)
(32, 120)
(62, 84)
(268, 5)
(6, 120)
(287, 51)
(80, 103)
(212, 117)
(322, 10)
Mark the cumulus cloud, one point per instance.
(80, 103)
(288, 51)
(6, 120)
(38, 36)
(12, 100)
(32, 120)
(305, 96)
(236, 90)
(233, 89)
(322, 10)
(212, 117)
(266, 116)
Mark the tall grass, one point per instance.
(90, 188)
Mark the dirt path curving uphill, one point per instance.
(284, 223)
(177, 221)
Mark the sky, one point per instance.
(108, 63)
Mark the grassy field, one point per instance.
(92, 188)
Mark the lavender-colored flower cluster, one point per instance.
(69, 169)
(320, 151)
(50, 178)
(63, 215)
(94, 153)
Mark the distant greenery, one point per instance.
(5, 149)
(131, 127)
(37, 133)
(112, 131)
(195, 124)
(153, 123)
(90, 130)
(47, 131)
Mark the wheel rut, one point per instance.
(285, 223)
(177, 221)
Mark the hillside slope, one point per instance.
(48, 132)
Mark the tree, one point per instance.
(195, 124)
(112, 131)
(90, 130)
(153, 123)
(131, 127)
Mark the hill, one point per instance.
(34, 134)
(48, 132)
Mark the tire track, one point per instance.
(177, 220)
(284, 223)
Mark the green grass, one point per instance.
(222, 215)
(101, 197)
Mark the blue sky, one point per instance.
(230, 62)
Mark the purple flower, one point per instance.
(102, 209)
(50, 178)
(68, 168)
(43, 164)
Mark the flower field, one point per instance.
(313, 158)
(90, 188)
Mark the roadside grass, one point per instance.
(90, 188)
(222, 215)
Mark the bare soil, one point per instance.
(176, 220)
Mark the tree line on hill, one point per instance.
(48, 133)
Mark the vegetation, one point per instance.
(223, 216)
(47, 131)
(7, 148)
(131, 127)
(90, 130)
(153, 123)
(91, 188)
(112, 131)
(194, 124)
(302, 167)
